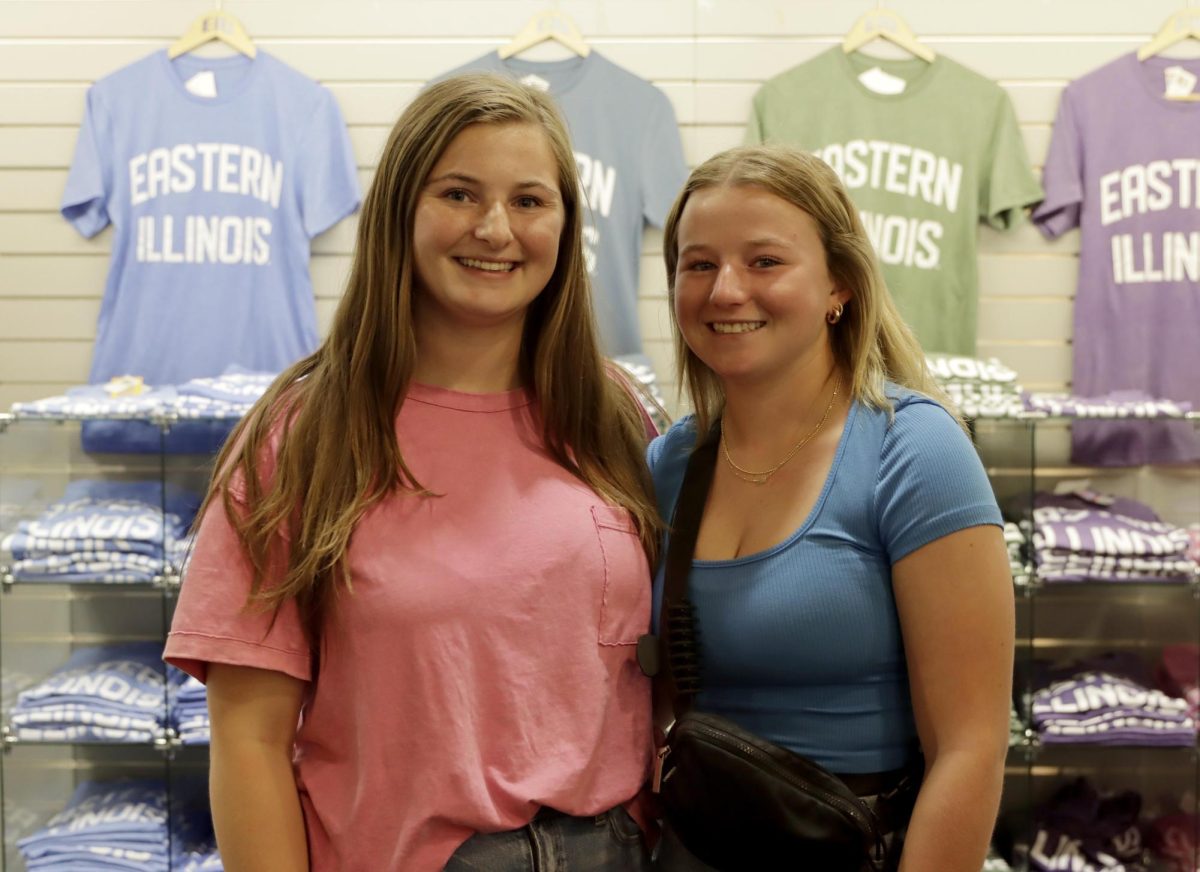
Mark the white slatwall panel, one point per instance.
(709, 56)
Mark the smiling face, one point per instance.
(487, 228)
(752, 286)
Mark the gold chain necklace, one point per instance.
(762, 477)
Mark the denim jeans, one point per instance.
(554, 842)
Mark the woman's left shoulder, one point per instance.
(911, 409)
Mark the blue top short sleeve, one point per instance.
(811, 650)
(930, 482)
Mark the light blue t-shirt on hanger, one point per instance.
(631, 168)
(215, 173)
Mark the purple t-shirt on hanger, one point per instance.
(1124, 167)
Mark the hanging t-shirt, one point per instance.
(631, 168)
(1123, 167)
(215, 174)
(923, 165)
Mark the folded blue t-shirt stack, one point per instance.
(124, 825)
(224, 397)
(108, 693)
(206, 410)
(105, 826)
(104, 531)
(189, 708)
(92, 402)
(195, 845)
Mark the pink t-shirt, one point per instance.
(484, 664)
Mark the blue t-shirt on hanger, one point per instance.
(216, 173)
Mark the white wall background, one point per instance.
(709, 56)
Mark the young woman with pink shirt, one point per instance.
(424, 564)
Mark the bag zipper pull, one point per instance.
(660, 759)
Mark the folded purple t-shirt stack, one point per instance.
(1093, 537)
(1108, 701)
(1080, 830)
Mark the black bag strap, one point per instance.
(677, 679)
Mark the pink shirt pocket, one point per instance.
(625, 597)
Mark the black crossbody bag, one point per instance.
(735, 800)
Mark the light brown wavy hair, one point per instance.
(871, 342)
(333, 414)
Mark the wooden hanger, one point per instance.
(883, 23)
(1184, 24)
(216, 25)
(549, 24)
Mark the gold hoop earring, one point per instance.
(835, 315)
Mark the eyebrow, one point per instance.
(471, 180)
(760, 242)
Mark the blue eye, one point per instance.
(528, 202)
(766, 261)
(458, 195)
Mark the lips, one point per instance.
(730, 327)
(497, 266)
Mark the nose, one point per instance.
(493, 227)
(728, 288)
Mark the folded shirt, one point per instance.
(104, 531)
(124, 825)
(980, 388)
(1115, 405)
(89, 402)
(950, 368)
(104, 567)
(1093, 500)
(1083, 831)
(118, 810)
(1099, 707)
(1086, 544)
(189, 708)
(114, 693)
(229, 395)
(1056, 568)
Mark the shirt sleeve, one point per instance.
(213, 622)
(89, 182)
(1010, 185)
(667, 457)
(327, 177)
(1062, 175)
(664, 169)
(931, 482)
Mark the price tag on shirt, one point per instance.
(880, 82)
(203, 84)
(1179, 82)
(533, 80)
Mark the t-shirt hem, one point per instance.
(978, 515)
(192, 652)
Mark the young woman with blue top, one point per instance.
(850, 584)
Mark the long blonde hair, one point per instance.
(871, 342)
(333, 413)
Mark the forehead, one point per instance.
(515, 146)
(737, 210)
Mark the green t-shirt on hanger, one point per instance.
(924, 163)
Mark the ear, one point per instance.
(841, 295)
